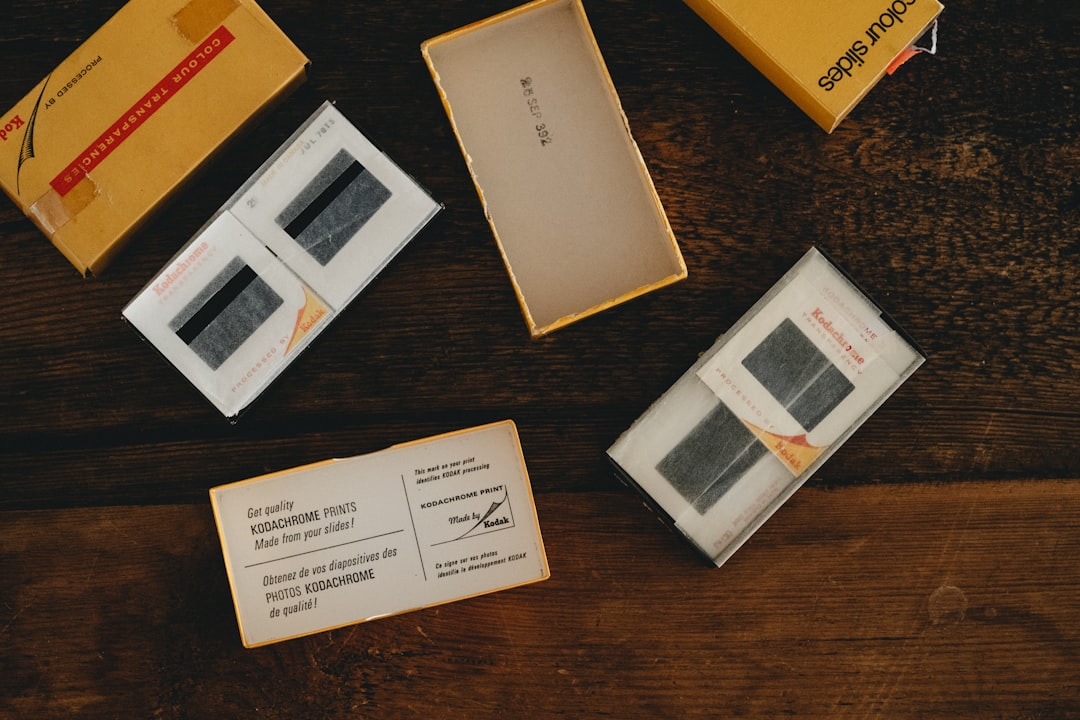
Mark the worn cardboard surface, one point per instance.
(119, 125)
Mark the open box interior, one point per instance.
(563, 184)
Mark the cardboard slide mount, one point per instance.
(762, 409)
(99, 144)
(283, 257)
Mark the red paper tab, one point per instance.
(905, 55)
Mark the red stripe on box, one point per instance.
(141, 111)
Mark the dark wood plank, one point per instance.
(889, 601)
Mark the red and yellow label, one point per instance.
(307, 318)
(792, 450)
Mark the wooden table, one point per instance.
(930, 569)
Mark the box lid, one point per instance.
(563, 184)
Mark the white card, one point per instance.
(228, 315)
(345, 541)
(764, 407)
(333, 207)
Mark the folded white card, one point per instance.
(303, 236)
(346, 541)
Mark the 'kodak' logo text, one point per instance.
(10, 126)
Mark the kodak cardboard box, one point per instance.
(825, 55)
(117, 126)
(565, 189)
(347, 541)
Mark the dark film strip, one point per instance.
(225, 313)
(711, 458)
(332, 208)
(798, 375)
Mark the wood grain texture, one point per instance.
(875, 601)
(930, 569)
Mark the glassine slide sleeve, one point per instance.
(765, 406)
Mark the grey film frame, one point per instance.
(332, 208)
(225, 313)
(720, 449)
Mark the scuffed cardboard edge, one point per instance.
(54, 214)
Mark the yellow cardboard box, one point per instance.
(565, 189)
(118, 126)
(823, 54)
